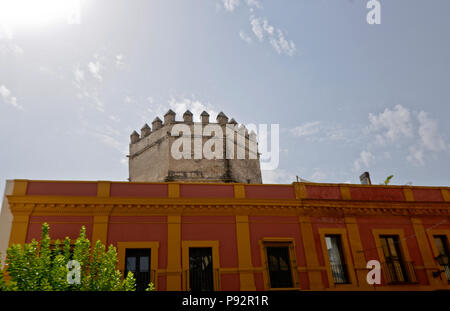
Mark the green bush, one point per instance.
(40, 266)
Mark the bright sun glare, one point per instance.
(37, 12)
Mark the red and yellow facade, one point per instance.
(237, 221)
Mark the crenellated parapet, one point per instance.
(170, 120)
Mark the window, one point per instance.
(201, 269)
(337, 259)
(279, 266)
(442, 247)
(138, 262)
(395, 267)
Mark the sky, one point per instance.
(348, 96)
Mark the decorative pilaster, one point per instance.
(312, 261)
(425, 251)
(359, 259)
(21, 213)
(246, 275)
(174, 271)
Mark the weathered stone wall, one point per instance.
(150, 159)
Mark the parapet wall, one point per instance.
(418, 196)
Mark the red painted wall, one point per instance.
(206, 191)
(60, 226)
(323, 192)
(139, 190)
(381, 194)
(428, 195)
(58, 188)
(269, 192)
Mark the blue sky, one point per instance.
(349, 97)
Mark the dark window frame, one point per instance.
(274, 276)
(201, 269)
(339, 270)
(397, 270)
(445, 251)
(143, 278)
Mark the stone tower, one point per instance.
(194, 151)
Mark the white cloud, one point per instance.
(416, 155)
(261, 28)
(281, 45)
(307, 129)
(429, 134)
(398, 127)
(88, 78)
(364, 160)
(119, 60)
(7, 44)
(268, 28)
(7, 97)
(257, 28)
(230, 5)
(318, 131)
(244, 36)
(391, 125)
(429, 140)
(254, 4)
(94, 69)
(78, 74)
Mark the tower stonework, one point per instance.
(151, 156)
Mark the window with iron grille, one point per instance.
(201, 276)
(396, 269)
(441, 242)
(337, 259)
(138, 262)
(279, 265)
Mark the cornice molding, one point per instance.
(101, 206)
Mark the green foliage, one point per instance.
(2, 277)
(150, 288)
(40, 266)
(388, 179)
(130, 282)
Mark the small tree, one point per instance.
(388, 179)
(42, 266)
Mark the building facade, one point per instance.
(235, 236)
